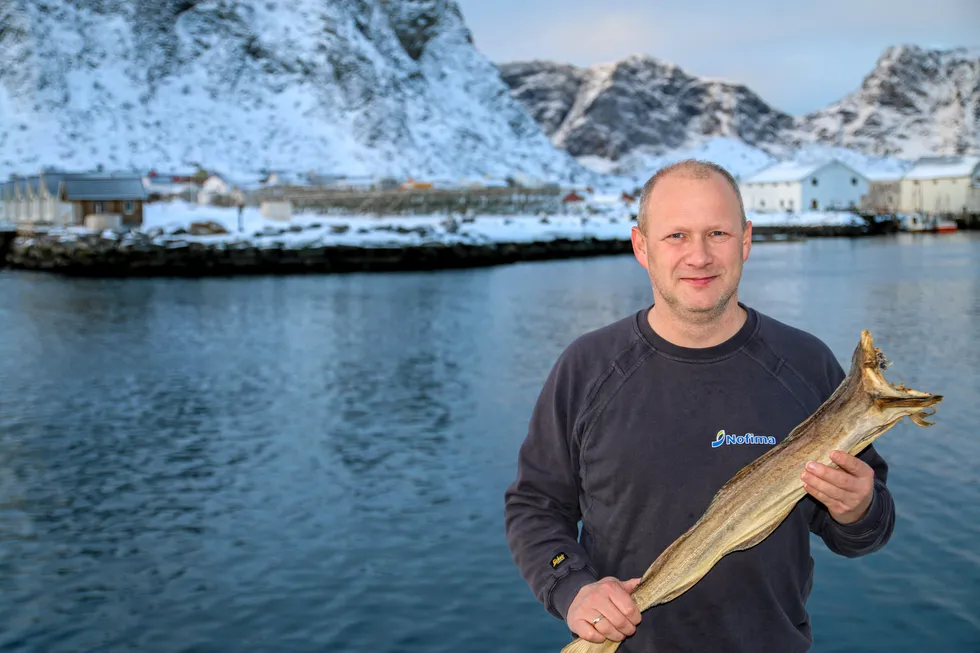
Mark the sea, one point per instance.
(318, 463)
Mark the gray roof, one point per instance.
(31, 185)
(116, 188)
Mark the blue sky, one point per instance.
(797, 56)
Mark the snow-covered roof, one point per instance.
(785, 171)
(791, 171)
(943, 167)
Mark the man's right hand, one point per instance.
(610, 599)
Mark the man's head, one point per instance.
(692, 237)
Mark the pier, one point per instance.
(7, 234)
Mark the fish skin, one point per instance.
(754, 502)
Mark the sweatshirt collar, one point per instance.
(701, 354)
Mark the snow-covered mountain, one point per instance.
(355, 87)
(915, 102)
(639, 103)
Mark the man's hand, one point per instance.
(847, 492)
(610, 599)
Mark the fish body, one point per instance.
(755, 501)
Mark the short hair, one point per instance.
(693, 168)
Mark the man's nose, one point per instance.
(700, 253)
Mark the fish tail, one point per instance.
(907, 401)
(585, 646)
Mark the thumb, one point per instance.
(631, 584)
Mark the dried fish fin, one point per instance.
(882, 402)
(919, 418)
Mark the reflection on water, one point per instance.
(318, 463)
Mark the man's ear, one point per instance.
(747, 241)
(639, 245)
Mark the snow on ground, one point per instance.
(306, 229)
(167, 222)
(316, 229)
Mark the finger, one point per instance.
(831, 504)
(608, 631)
(851, 464)
(829, 489)
(632, 584)
(836, 477)
(614, 618)
(621, 599)
(587, 631)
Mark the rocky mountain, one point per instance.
(610, 110)
(355, 87)
(915, 102)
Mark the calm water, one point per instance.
(318, 463)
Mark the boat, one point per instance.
(915, 223)
(919, 223)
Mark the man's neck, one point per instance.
(675, 330)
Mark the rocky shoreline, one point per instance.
(138, 254)
(92, 255)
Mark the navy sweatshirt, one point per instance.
(630, 438)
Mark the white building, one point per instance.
(63, 199)
(36, 199)
(884, 192)
(791, 186)
(938, 185)
(214, 186)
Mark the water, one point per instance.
(318, 463)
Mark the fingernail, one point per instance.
(811, 466)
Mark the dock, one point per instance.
(7, 234)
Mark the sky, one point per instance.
(798, 57)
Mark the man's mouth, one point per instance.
(699, 281)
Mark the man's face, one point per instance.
(693, 245)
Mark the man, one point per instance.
(628, 437)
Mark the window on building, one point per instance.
(762, 203)
(814, 181)
(813, 204)
(98, 207)
(854, 181)
(129, 206)
(780, 203)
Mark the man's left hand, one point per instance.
(847, 492)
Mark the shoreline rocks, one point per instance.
(138, 254)
(93, 255)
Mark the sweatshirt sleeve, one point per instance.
(872, 531)
(541, 507)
